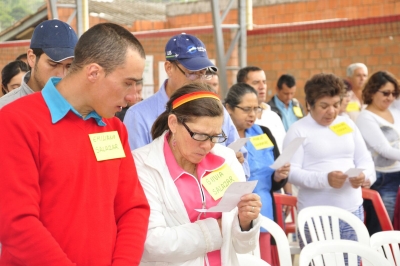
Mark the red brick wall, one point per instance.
(331, 50)
(300, 50)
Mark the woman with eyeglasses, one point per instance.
(241, 103)
(183, 170)
(379, 124)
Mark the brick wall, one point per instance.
(345, 36)
(304, 53)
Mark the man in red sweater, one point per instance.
(69, 190)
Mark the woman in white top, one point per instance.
(332, 145)
(175, 170)
(379, 124)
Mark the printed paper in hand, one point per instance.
(353, 172)
(232, 196)
(239, 143)
(287, 153)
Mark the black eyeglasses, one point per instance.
(194, 76)
(203, 137)
(248, 110)
(387, 93)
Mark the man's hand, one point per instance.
(336, 179)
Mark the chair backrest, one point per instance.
(280, 238)
(281, 200)
(338, 248)
(387, 243)
(379, 207)
(323, 228)
(323, 224)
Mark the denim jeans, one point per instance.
(387, 184)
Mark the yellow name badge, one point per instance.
(261, 142)
(352, 107)
(297, 111)
(218, 181)
(107, 145)
(341, 129)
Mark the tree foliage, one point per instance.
(12, 11)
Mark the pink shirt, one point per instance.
(193, 194)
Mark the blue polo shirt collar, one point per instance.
(59, 106)
(281, 105)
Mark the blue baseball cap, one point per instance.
(189, 52)
(57, 39)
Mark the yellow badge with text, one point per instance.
(341, 129)
(297, 111)
(261, 142)
(107, 145)
(218, 181)
(352, 107)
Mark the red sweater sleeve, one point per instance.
(21, 232)
(131, 212)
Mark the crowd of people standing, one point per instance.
(95, 175)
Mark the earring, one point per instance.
(173, 141)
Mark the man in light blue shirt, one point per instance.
(283, 103)
(186, 61)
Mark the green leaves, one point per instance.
(12, 11)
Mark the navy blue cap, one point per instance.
(56, 38)
(188, 51)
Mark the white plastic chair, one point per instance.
(282, 244)
(387, 243)
(338, 247)
(281, 240)
(322, 228)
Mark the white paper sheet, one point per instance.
(239, 143)
(287, 153)
(232, 196)
(353, 172)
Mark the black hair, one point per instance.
(286, 79)
(11, 70)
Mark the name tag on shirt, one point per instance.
(107, 145)
(218, 181)
(352, 107)
(341, 129)
(261, 142)
(297, 111)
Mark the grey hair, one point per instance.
(352, 67)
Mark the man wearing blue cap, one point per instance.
(186, 61)
(50, 55)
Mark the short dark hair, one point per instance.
(201, 107)
(375, 82)
(236, 93)
(9, 71)
(286, 79)
(37, 52)
(105, 44)
(22, 56)
(321, 85)
(242, 74)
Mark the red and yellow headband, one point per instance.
(193, 96)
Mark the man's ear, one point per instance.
(31, 58)
(93, 72)
(168, 67)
